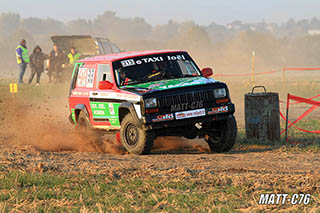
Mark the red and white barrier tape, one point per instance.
(246, 74)
(315, 104)
(270, 72)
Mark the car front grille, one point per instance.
(207, 97)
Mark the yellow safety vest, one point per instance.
(24, 55)
(73, 58)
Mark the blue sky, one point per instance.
(160, 11)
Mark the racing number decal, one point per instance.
(82, 77)
(86, 77)
(90, 78)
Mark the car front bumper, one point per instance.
(158, 121)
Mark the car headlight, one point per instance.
(150, 103)
(220, 93)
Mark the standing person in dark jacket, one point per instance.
(57, 59)
(22, 59)
(37, 59)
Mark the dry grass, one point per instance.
(168, 180)
(24, 191)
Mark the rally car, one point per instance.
(146, 94)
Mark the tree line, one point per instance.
(227, 48)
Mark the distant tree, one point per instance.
(34, 25)
(9, 22)
(103, 24)
(294, 29)
(7, 50)
(165, 32)
(304, 51)
(109, 25)
(191, 35)
(54, 27)
(219, 33)
(80, 26)
(314, 23)
(228, 48)
(193, 38)
(22, 34)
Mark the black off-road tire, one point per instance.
(226, 138)
(93, 137)
(134, 138)
(83, 123)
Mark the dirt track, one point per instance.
(26, 157)
(38, 136)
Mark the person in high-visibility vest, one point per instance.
(23, 58)
(73, 56)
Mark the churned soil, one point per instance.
(38, 135)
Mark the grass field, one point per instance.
(237, 188)
(23, 191)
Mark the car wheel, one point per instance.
(224, 137)
(83, 122)
(93, 138)
(133, 138)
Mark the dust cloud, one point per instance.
(35, 126)
(179, 144)
(46, 128)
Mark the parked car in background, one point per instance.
(86, 45)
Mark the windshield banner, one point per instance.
(151, 59)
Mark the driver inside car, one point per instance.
(159, 70)
(163, 65)
(123, 78)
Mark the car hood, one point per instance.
(85, 45)
(156, 86)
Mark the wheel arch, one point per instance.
(125, 108)
(78, 109)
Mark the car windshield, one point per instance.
(154, 68)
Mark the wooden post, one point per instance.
(13, 90)
(284, 75)
(287, 117)
(253, 67)
(284, 84)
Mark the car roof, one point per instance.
(124, 55)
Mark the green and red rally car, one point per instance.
(146, 94)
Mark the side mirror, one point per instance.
(105, 85)
(206, 72)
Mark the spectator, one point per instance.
(73, 56)
(37, 59)
(22, 59)
(57, 59)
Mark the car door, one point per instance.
(83, 82)
(104, 103)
